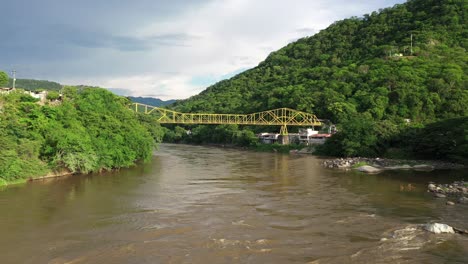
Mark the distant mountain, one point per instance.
(30, 84)
(150, 101)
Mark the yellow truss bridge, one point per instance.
(280, 117)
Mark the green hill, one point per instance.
(354, 66)
(377, 76)
(32, 85)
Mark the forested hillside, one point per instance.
(90, 130)
(354, 66)
(377, 76)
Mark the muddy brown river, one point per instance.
(195, 204)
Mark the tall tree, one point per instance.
(3, 79)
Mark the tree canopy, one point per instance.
(354, 66)
(407, 62)
(90, 130)
(3, 79)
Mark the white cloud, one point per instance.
(161, 85)
(161, 55)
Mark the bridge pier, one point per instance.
(284, 136)
(284, 139)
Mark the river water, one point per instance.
(195, 204)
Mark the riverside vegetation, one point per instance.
(90, 130)
(394, 81)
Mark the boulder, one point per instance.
(400, 167)
(369, 169)
(423, 167)
(439, 195)
(450, 203)
(437, 228)
(431, 187)
(463, 200)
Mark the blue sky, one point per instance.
(166, 49)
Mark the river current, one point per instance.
(195, 204)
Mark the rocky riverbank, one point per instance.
(379, 164)
(456, 191)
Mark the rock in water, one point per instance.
(431, 187)
(368, 169)
(439, 195)
(399, 167)
(463, 200)
(423, 167)
(450, 203)
(437, 228)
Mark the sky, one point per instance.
(170, 49)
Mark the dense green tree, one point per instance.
(152, 126)
(53, 95)
(404, 62)
(245, 138)
(359, 138)
(447, 139)
(350, 67)
(175, 134)
(115, 132)
(91, 130)
(3, 79)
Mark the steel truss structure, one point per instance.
(277, 117)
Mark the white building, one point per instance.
(310, 136)
(268, 138)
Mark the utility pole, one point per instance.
(411, 50)
(14, 78)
